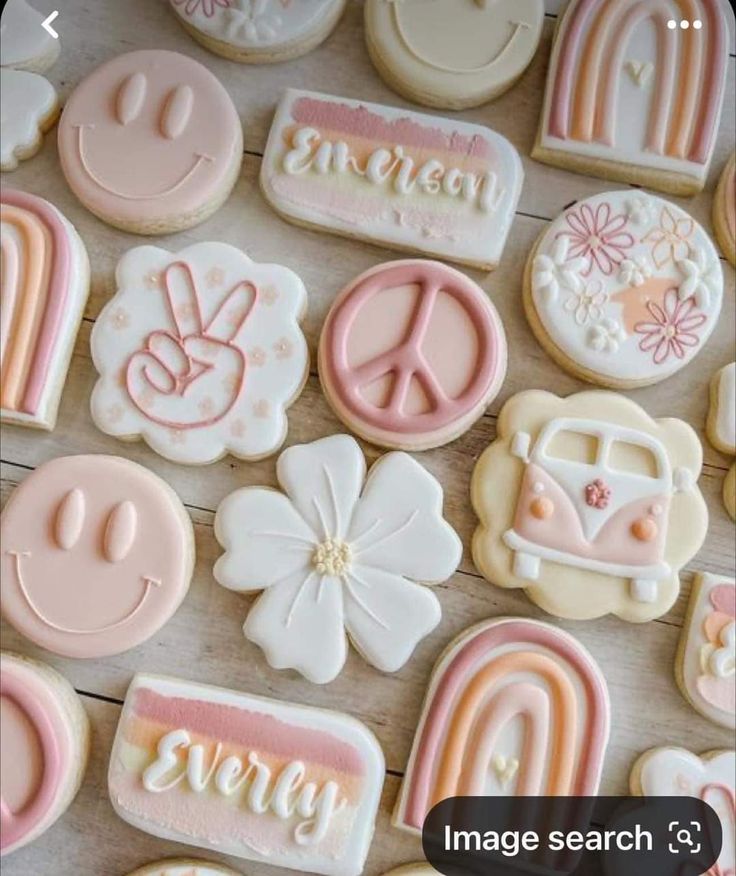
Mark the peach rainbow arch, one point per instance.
(498, 672)
(689, 73)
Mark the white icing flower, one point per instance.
(634, 272)
(702, 277)
(587, 303)
(253, 21)
(553, 272)
(640, 210)
(332, 555)
(606, 336)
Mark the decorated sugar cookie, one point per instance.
(413, 870)
(24, 43)
(259, 31)
(411, 354)
(44, 743)
(402, 179)
(337, 552)
(287, 785)
(675, 772)
(623, 289)
(199, 353)
(151, 142)
(514, 708)
(97, 554)
(706, 659)
(184, 867)
(721, 426)
(29, 106)
(724, 210)
(729, 491)
(588, 504)
(452, 54)
(630, 99)
(45, 283)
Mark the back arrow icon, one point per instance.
(46, 24)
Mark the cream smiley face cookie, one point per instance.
(259, 31)
(259, 779)
(24, 43)
(721, 426)
(724, 210)
(151, 142)
(452, 54)
(338, 552)
(514, 708)
(45, 283)
(97, 555)
(623, 289)
(589, 505)
(29, 106)
(706, 658)
(184, 867)
(44, 744)
(633, 99)
(199, 353)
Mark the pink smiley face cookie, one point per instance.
(151, 142)
(97, 554)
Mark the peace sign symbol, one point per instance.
(421, 355)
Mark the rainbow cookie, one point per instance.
(471, 739)
(259, 31)
(44, 736)
(623, 289)
(45, 283)
(199, 353)
(588, 504)
(724, 210)
(184, 867)
(452, 54)
(706, 658)
(30, 108)
(26, 44)
(291, 786)
(151, 142)
(406, 180)
(720, 426)
(633, 99)
(411, 354)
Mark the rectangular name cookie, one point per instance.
(287, 785)
(391, 176)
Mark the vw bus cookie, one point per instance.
(589, 505)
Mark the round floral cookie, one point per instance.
(623, 289)
(411, 354)
(259, 31)
(25, 43)
(150, 142)
(337, 552)
(452, 54)
(30, 107)
(98, 554)
(724, 210)
(44, 742)
(199, 353)
(183, 867)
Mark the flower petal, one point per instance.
(398, 524)
(386, 616)
(323, 480)
(264, 537)
(299, 625)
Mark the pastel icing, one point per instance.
(588, 504)
(44, 287)
(181, 867)
(724, 207)
(41, 749)
(722, 413)
(199, 353)
(28, 104)
(391, 176)
(411, 354)
(338, 552)
(97, 555)
(514, 707)
(149, 137)
(291, 786)
(625, 90)
(627, 286)
(453, 52)
(707, 653)
(24, 43)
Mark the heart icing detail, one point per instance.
(505, 768)
(640, 71)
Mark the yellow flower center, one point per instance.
(332, 557)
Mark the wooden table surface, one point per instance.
(204, 640)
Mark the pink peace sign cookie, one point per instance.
(411, 354)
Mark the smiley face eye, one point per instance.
(120, 531)
(177, 111)
(69, 519)
(130, 99)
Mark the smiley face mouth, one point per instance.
(148, 583)
(199, 160)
